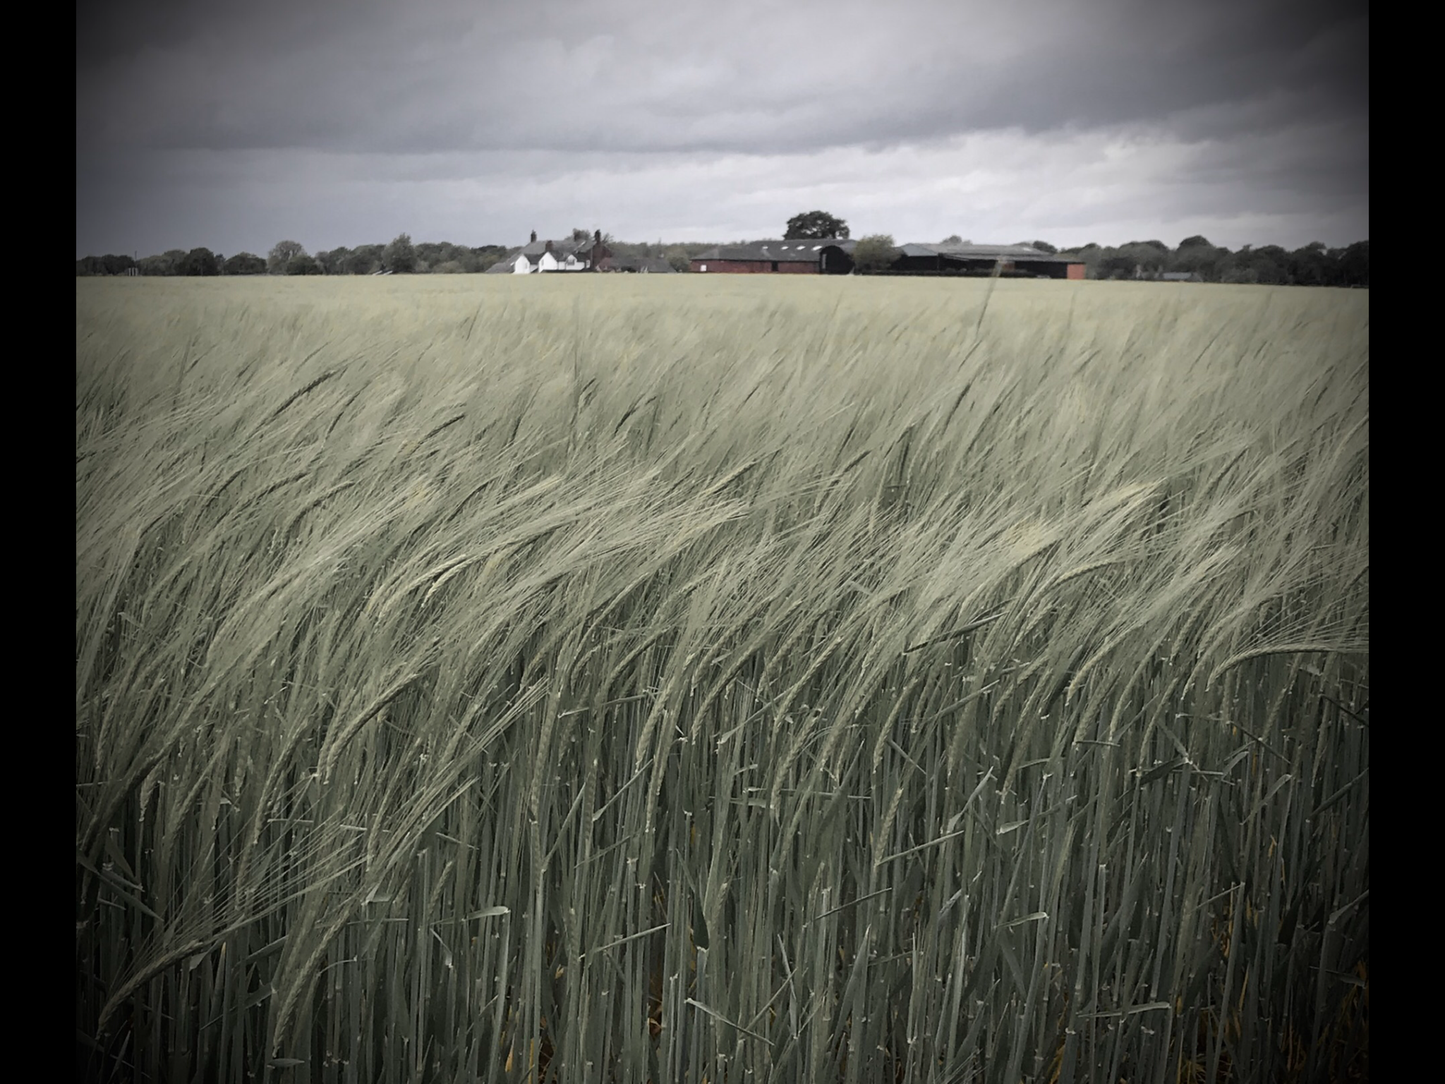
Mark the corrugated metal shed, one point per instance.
(647, 265)
(800, 251)
(1010, 253)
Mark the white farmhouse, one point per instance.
(569, 255)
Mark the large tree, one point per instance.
(281, 254)
(245, 263)
(109, 264)
(333, 260)
(364, 259)
(200, 261)
(813, 224)
(1118, 265)
(876, 252)
(400, 255)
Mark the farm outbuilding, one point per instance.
(642, 265)
(571, 254)
(1015, 261)
(817, 256)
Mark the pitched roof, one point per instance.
(567, 247)
(803, 250)
(652, 264)
(1016, 253)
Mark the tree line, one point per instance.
(1313, 265)
(291, 258)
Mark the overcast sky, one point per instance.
(233, 126)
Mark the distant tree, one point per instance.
(1197, 239)
(303, 265)
(199, 261)
(167, 263)
(953, 239)
(109, 264)
(876, 252)
(245, 263)
(811, 224)
(1199, 258)
(435, 253)
(1270, 264)
(679, 259)
(281, 254)
(1043, 246)
(1310, 265)
(1355, 264)
(1150, 257)
(333, 260)
(1118, 265)
(363, 260)
(400, 255)
(579, 235)
(487, 255)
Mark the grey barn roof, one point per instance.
(560, 248)
(803, 250)
(1016, 253)
(657, 265)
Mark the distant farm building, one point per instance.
(1014, 261)
(818, 256)
(542, 256)
(641, 265)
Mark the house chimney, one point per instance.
(534, 237)
(549, 246)
(596, 237)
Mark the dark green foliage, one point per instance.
(281, 255)
(200, 261)
(108, 264)
(876, 252)
(245, 263)
(812, 224)
(1118, 265)
(400, 256)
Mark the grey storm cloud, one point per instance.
(169, 93)
(647, 77)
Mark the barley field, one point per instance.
(721, 679)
